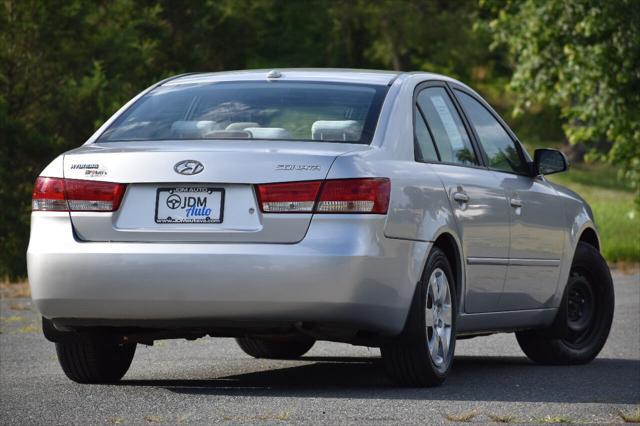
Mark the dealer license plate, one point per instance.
(189, 205)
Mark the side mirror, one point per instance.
(549, 161)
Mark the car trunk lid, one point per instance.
(220, 197)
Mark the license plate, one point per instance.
(189, 205)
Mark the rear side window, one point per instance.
(501, 150)
(304, 111)
(449, 134)
(426, 150)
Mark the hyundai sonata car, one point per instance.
(392, 210)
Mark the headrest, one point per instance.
(241, 125)
(192, 129)
(268, 132)
(336, 130)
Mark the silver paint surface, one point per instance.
(358, 269)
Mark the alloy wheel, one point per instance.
(438, 318)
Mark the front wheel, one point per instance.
(94, 358)
(422, 355)
(585, 315)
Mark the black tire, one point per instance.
(94, 359)
(408, 358)
(584, 318)
(275, 349)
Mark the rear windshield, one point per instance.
(304, 111)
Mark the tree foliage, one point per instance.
(582, 56)
(67, 65)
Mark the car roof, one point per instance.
(344, 75)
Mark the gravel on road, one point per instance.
(212, 381)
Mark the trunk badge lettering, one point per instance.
(298, 167)
(89, 169)
(188, 167)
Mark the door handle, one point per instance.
(515, 202)
(461, 197)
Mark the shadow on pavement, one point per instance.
(615, 381)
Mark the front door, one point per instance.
(537, 242)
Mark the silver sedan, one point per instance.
(386, 209)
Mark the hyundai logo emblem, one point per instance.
(188, 167)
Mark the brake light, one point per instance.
(363, 195)
(291, 197)
(48, 194)
(369, 195)
(57, 194)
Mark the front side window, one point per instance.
(304, 111)
(449, 134)
(501, 150)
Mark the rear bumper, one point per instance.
(344, 271)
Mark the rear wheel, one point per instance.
(94, 359)
(422, 355)
(585, 315)
(275, 349)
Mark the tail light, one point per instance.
(76, 195)
(48, 194)
(354, 196)
(365, 195)
(291, 197)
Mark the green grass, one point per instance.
(630, 416)
(553, 420)
(502, 418)
(616, 215)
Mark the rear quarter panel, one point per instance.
(55, 168)
(419, 209)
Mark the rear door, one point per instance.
(476, 197)
(536, 214)
(163, 205)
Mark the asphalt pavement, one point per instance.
(213, 381)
